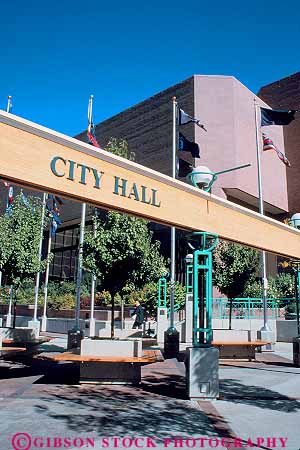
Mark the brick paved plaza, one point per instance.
(258, 400)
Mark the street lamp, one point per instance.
(295, 221)
(203, 178)
(189, 258)
(296, 340)
(189, 273)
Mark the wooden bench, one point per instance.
(108, 369)
(148, 357)
(40, 340)
(238, 349)
(7, 351)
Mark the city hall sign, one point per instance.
(84, 174)
(39, 158)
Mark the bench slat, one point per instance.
(239, 343)
(149, 356)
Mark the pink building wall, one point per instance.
(226, 107)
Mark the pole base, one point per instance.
(75, 337)
(202, 373)
(296, 351)
(92, 327)
(35, 325)
(44, 323)
(8, 320)
(268, 336)
(171, 347)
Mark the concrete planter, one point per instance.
(22, 334)
(108, 347)
(296, 351)
(118, 372)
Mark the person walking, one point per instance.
(138, 315)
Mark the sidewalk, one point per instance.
(258, 400)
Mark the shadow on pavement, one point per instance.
(51, 371)
(231, 389)
(118, 411)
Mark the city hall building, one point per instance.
(226, 107)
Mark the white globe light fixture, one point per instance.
(202, 176)
(295, 220)
(189, 258)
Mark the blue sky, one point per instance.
(55, 54)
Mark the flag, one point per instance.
(54, 212)
(10, 199)
(55, 221)
(56, 198)
(183, 168)
(276, 117)
(6, 183)
(55, 201)
(269, 145)
(184, 145)
(185, 118)
(91, 136)
(24, 199)
(10, 195)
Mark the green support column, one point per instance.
(162, 293)
(203, 359)
(202, 287)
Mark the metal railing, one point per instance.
(247, 308)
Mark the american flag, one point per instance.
(268, 144)
(91, 137)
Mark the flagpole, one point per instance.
(35, 323)
(7, 110)
(173, 229)
(92, 306)
(9, 315)
(44, 318)
(81, 238)
(94, 279)
(261, 211)
(79, 267)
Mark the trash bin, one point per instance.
(171, 347)
(296, 351)
(74, 339)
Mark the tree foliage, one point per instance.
(20, 233)
(281, 286)
(122, 253)
(234, 267)
(119, 147)
(149, 293)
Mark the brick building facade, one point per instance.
(285, 94)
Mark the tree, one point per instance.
(234, 266)
(20, 232)
(119, 147)
(122, 254)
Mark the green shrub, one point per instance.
(253, 289)
(290, 307)
(281, 286)
(148, 296)
(4, 294)
(103, 298)
(65, 301)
